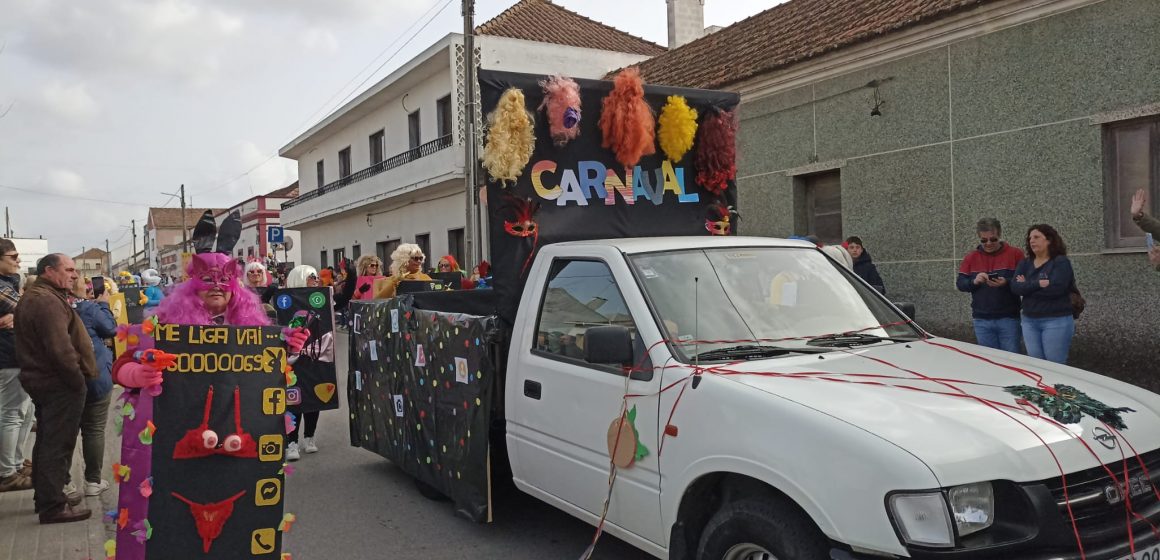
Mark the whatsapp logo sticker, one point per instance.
(317, 300)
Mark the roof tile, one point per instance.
(787, 34)
(544, 22)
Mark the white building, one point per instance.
(31, 250)
(258, 214)
(388, 167)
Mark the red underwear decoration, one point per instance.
(203, 442)
(210, 518)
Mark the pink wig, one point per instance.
(183, 306)
(562, 101)
(717, 151)
(627, 122)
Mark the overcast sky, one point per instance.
(107, 104)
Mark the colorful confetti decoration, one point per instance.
(146, 435)
(1068, 405)
(287, 521)
(146, 487)
(120, 473)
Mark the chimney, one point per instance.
(686, 21)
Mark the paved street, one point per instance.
(351, 504)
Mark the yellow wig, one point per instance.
(510, 138)
(678, 128)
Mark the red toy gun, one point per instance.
(156, 358)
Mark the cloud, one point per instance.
(319, 39)
(64, 182)
(71, 102)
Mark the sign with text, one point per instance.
(275, 234)
(217, 487)
(312, 308)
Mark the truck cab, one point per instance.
(783, 408)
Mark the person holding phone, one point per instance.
(1149, 224)
(92, 306)
(1045, 279)
(986, 273)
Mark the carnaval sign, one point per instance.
(593, 181)
(212, 484)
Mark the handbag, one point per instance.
(1078, 303)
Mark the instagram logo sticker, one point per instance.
(293, 396)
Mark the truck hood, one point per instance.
(962, 439)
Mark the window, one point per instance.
(344, 163)
(322, 259)
(455, 245)
(413, 130)
(376, 144)
(338, 256)
(580, 294)
(823, 206)
(384, 249)
(423, 240)
(319, 167)
(355, 252)
(1130, 163)
(443, 117)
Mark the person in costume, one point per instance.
(370, 268)
(406, 264)
(213, 295)
(152, 281)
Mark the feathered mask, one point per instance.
(522, 223)
(720, 218)
(510, 138)
(562, 106)
(212, 264)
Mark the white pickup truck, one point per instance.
(786, 410)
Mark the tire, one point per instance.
(430, 492)
(767, 529)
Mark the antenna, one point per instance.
(696, 323)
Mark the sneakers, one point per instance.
(65, 514)
(309, 446)
(96, 488)
(292, 451)
(14, 482)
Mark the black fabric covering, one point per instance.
(470, 302)
(317, 374)
(179, 408)
(643, 218)
(133, 308)
(440, 435)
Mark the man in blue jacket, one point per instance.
(986, 273)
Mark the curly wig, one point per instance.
(401, 255)
(298, 276)
(562, 104)
(365, 262)
(717, 151)
(677, 128)
(627, 122)
(510, 138)
(183, 305)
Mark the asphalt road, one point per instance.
(353, 504)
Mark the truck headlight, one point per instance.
(923, 519)
(973, 506)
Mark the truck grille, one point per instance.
(1098, 503)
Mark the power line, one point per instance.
(72, 197)
(274, 154)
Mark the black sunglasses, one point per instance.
(989, 239)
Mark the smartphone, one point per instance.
(1148, 241)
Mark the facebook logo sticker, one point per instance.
(284, 301)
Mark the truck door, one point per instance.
(561, 408)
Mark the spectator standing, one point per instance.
(1045, 279)
(56, 358)
(864, 265)
(986, 274)
(1147, 223)
(93, 309)
(15, 405)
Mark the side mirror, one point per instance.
(608, 345)
(906, 307)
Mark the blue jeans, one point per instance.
(1000, 334)
(1048, 337)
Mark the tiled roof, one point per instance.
(545, 22)
(93, 253)
(787, 34)
(289, 191)
(170, 218)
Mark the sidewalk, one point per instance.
(22, 537)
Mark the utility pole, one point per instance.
(108, 259)
(471, 237)
(7, 224)
(184, 229)
(133, 257)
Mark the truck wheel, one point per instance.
(430, 492)
(761, 530)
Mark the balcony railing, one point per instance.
(404, 158)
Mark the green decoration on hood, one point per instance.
(1069, 405)
(641, 450)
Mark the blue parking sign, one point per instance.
(274, 234)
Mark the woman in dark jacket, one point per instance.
(100, 324)
(1045, 280)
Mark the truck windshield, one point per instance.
(711, 299)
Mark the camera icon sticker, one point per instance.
(293, 396)
(270, 448)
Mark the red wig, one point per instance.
(717, 151)
(451, 261)
(627, 122)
